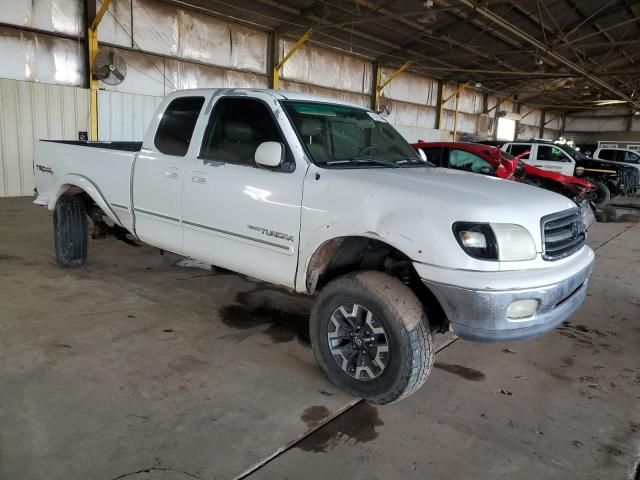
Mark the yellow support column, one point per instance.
(276, 69)
(380, 86)
(94, 84)
(445, 100)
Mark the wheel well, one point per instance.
(342, 255)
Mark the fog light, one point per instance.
(521, 309)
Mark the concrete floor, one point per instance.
(132, 367)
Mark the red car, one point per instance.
(488, 160)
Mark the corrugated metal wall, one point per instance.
(28, 112)
(166, 48)
(125, 116)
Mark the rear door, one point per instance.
(158, 173)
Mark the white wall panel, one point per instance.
(469, 101)
(28, 112)
(167, 30)
(526, 132)
(158, 76)
(64, 16)
(414, 122)
(317, 66)
(124, 116)
(530, 116)
(355, 98)
(410, 87)
(115, 27)
(594, 124)
(40, 58)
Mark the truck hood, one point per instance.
(414, 209)
(482, 196)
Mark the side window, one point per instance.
(550, 153)
(469, 162)
(516, 150)
(606, 154)
(631, 157)
(237, 126)
(434, 155)
(176, 125)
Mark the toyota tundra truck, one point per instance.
(325, 198)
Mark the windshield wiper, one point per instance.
(374, 160)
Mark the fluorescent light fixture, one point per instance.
(601, 103)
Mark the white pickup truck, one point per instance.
(327, 199)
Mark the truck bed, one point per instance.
(124, 146)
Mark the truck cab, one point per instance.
(545, 156)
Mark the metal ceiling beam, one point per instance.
(552, 54)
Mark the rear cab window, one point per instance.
(176, 126)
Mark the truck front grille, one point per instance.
(562, 234)
(631, 179)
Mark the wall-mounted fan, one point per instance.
(109, 67)
(385, 106)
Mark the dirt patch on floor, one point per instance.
(357, 425)
(280, 315)
(461, 371)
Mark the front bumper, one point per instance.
(480, 314)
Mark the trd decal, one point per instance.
(44, 169)
(271, 233)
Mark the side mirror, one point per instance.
(269, 154)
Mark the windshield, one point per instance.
(575, 154)
(342, 136)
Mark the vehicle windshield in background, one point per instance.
(575, 154)
(342, 136)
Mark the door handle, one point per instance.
(199, 177)
(171, 173)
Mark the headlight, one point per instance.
(495, 241)
(514, 242)
(477, 239)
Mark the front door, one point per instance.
(236, 214)
(158, 174)
(550, 157)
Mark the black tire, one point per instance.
(70, 231)
(602, 194)
(395, 308)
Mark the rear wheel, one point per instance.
(70, 231)
(371, 337)
(602, 194)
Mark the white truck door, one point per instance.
(158, 174)
(238, 215)
(550, 157)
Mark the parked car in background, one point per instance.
(610, 178)
(325, 198)
(624, 156)
(491, 160)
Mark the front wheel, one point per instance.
(371, 337)
(602, 194)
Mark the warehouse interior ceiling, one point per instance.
(564, 55)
